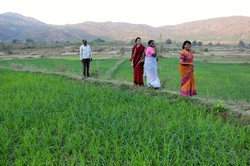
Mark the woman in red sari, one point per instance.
(137, 61)
(188, 86)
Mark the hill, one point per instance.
(222, 30)
(16, 26)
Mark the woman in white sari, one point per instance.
(150, 66)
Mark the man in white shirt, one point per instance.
(85, 57)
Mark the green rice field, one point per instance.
(56, 120)
(53, 120)
(227, 82)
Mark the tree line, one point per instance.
(29, 43)
(199, 43)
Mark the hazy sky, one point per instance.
(155, 13)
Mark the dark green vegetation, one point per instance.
(52, 120)
(229, 82)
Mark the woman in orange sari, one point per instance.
(137, 61)
(188, 86)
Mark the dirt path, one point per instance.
(114, 68)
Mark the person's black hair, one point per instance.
(137, 39)
(185, 42)
(150, 41)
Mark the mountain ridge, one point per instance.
(216, 30)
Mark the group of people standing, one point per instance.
(144, 62)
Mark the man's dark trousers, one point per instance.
(86, 64)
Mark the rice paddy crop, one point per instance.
(52, 120)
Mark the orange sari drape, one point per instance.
(188, 86)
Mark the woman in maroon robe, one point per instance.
(137, 61)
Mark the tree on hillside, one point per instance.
(169, 41)
(99, 40)
(29, 41)
(241, 44)
(2, 45)
(14, 41)
(194, 43)
(199, 43)
(210, 44)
